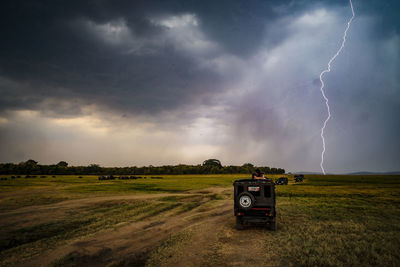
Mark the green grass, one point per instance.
(28, 238)
(332, 220)
(338, 221)
(324, 221)
(40, 232)
(14, 202)
(91, 184)
(32, 240)
(24, 192)
(336, 231)
(170, 184)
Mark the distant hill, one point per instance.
(375, 173)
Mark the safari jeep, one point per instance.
(282, 181)
(254, 201)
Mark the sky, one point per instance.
(134, 83)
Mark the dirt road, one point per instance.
(202, 235)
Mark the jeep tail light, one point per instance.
(240, 213)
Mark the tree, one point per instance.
(62, 164)
(212, 163)
(94, 168)
(31, 162)
(248, 167)
(209, 166)
(29, 167)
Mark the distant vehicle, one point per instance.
(299, 178)
(282, 181)
(254, 201)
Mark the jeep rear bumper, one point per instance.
(257, 219)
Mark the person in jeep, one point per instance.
(258, 175)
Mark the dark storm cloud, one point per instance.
(47, 46)
(243, 72)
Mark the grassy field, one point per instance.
(187, 220)
(20, 192)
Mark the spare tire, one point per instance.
(245, 201)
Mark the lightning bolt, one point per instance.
(323, 85)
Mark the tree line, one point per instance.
(210, 166)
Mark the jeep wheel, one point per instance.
(246, 201)
(239, 223)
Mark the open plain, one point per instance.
(187, 220)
